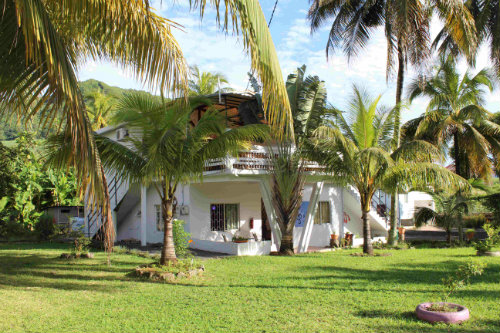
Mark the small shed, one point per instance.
(63, 215)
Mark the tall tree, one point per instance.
(406, 26)
(206, 83)
(486, 16)
(164, 149)
(455, 115)
(357, 151)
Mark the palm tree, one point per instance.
(165, 150)
(357, 152)
(307, 96)
(406, 24)
(48, 41)
(447, 214)
(487, 20)
(101, 109)
(287, 183)
(206, 83)
(456, 115)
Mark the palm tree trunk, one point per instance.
(397, 123)
(286, 246)
(448, 235)
(367, 231)
(168, 249)
(456, 156)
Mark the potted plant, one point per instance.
(469, 233)
(240, 239)
(445, 312)
(485, 247)
(334, 240)
(401, 231)
(348, 238)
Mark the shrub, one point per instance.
(45, 226)
(492, 240)
(181, 238)
(461, 277)
(475, 221)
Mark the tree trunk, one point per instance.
(168, 249)
(448, 236)
(286, 246)
(367, 231)
(456, 156)
(397, 140)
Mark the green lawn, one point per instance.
(331, 292)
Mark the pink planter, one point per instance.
(444, 317)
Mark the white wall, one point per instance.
(320, 235)
(246, 194)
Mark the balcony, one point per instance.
(256, 161)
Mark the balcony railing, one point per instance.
(254, 160)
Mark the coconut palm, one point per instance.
(101, 109)
(455, 114)
(448, 212)
(205, 83)
(487, 20)
(357, 152)
(164, 150)
(406, 24)
(307, 96)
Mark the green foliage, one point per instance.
(30, 186)
(461, 277)
(45, 226)
(81, 245)
(490, 242)
(181, 238)
(474, 221)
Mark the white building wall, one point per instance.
(246, 194)
(320, 235)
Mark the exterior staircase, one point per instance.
(118, 188)
(379, 212)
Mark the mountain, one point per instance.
(9, 128)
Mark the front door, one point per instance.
(266, 227)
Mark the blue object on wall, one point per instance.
(301, 218)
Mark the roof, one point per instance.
(250, 114)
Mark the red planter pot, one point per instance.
(442, 317)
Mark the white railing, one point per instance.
(250, 161)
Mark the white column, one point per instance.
(265, 191)
(144, 215)
(114, 216)
(305, 237)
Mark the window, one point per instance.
(224, 217)
(323, 213)
(159, 220)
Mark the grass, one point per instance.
(328, 292)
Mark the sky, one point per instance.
(204, 45)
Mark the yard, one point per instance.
(330, 292)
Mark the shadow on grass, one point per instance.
(46, 271)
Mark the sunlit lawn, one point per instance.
(331, 292)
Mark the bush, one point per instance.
(45, 226)
(492, 240)
(181, 238)
(475, 221)
(10, 228)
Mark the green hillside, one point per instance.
(9, 128)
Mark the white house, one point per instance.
(234, 197)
